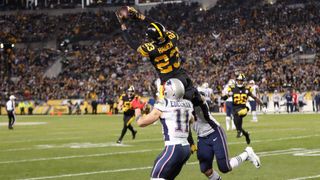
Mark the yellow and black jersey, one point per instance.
(126, 107)
(165, 57)
(240, 96)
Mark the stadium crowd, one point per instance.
(255, 39)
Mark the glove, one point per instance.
(193, 148)
(134, 13)
(137, 104)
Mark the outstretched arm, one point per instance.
(150, 118)
(129, 39)
(122, 14)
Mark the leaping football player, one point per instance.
(240, 94)
(164, 55)
(175, 114)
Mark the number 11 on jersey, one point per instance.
(182, 120)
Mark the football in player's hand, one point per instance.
(123, 12)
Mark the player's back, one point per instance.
(164, 57)
(175, 118)
(201, 126)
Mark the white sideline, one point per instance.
(307, 177)
(96, 172)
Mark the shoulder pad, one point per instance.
(161, 104)
(172, 35)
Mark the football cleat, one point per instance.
(119, 142)
(134, 134)
(239, 134)
(247, 136)
(252, 157)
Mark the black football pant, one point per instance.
(12, 118)
(238, 120)
(126, 118)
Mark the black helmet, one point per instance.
(156, 32)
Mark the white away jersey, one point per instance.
(276, 97)
(254, 91)
(226, 91)
(207, 92)
(200, 126)
(175, 118)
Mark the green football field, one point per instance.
(83, 147)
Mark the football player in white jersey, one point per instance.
(229, 120)
(213, 142)
(175, 114)
(253, 104)
(206, 92)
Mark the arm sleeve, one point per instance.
(129, 40)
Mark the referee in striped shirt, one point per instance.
(10, 110)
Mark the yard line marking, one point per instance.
(24, 123)
(271, 153)
(77, 156)
(44, 139)
(97, 172)
(160, 139)
(307, 177)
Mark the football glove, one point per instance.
(134, 13)
(193, 148)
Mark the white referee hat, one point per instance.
(12, 97)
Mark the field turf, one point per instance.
(83, 147)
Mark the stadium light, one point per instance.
(1, 46)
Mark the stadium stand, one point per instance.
(277, 48)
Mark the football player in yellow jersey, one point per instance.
(164, 55)
(240, 94)
(128, 113)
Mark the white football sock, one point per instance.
(214, 176)
(233, 126)
(254, 116)
(236, 161)
(228, 119)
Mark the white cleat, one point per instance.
(253, 157)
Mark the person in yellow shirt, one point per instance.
(21, 106)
